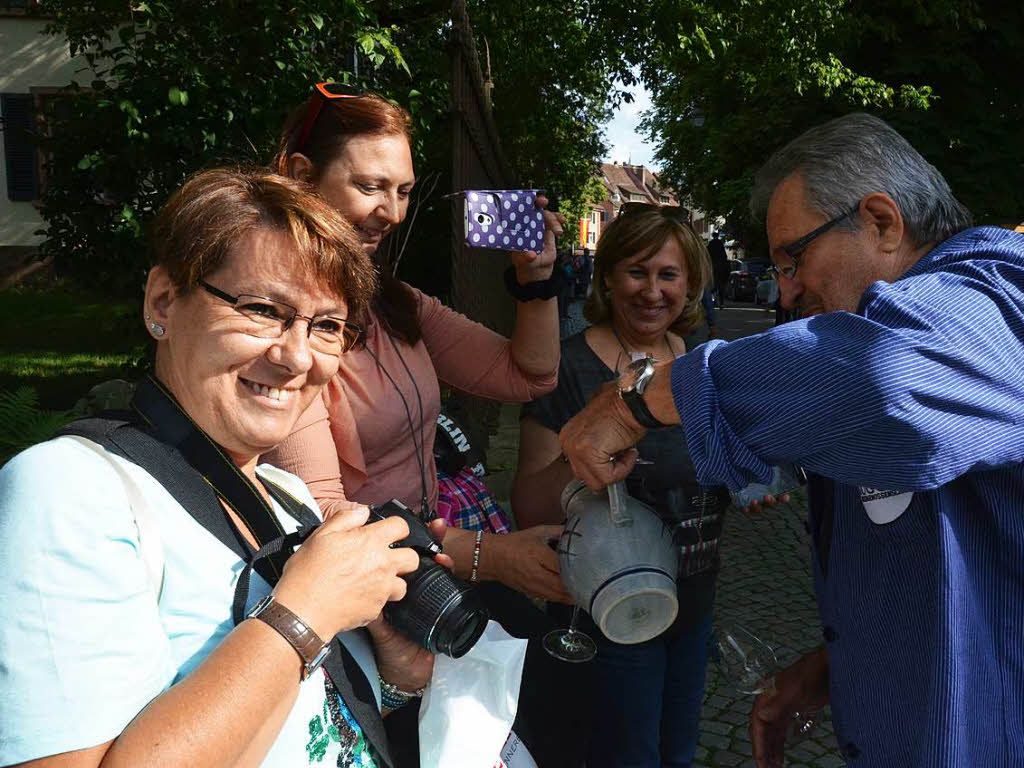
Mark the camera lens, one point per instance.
(440, 612)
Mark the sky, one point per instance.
(622, 133)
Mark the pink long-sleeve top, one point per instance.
(353, 443)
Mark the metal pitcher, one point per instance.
(618, 562)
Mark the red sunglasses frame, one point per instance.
(316, 103)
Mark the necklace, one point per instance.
(630, 355)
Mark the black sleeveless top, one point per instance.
(669, 486)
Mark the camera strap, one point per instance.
(160, 437)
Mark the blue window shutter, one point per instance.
(19, 123)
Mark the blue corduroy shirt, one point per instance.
(910, 415)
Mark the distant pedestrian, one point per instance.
(565, 297)
(719, 266)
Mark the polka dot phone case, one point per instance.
(504, 219)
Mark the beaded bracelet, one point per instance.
(393, 697)
(476, 557)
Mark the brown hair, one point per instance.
(645, 232)
(339, 121)
(214, 209)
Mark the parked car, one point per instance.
(742, 285)
(764, 288)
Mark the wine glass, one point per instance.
(570, 644)
(748, 664)
(745, 661)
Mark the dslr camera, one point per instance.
(440, 611)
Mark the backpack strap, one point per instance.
(151, 548)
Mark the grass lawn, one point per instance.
(61, 341)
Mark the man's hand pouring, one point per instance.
(598, 441)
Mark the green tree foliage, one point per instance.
(174, 87)
(578, 206)
(179, 86)
(736, 79)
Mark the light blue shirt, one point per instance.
(84, 645)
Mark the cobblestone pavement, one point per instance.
(765, 586)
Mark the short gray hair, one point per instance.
(847, 159)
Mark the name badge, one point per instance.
(884, 506)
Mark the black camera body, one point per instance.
(440, 611)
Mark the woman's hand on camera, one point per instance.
(439, 527)
(342, 575)
(526, 562)
(400, 661)
(532, 266)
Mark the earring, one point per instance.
(155, 328)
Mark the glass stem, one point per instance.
(572, 622)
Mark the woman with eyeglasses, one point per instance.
(146, 617)
(369, 438)
(650, 273)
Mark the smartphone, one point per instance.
(504, 219)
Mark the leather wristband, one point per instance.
(307, 643)
(635, 401)
(539, 290)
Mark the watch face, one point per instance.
(635, 377)
(627, 379)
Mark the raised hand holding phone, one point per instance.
(514, 220)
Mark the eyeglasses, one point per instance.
(322, 93)
(670, 212)
(269, 319)
(795, 249)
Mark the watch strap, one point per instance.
(302, 638)
(635, 401)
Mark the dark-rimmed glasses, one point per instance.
(322, 93)
(270, 319)
(795, 249)
(670, 212)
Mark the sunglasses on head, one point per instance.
(322, 93)
(670, 212)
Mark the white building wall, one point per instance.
(28, 59)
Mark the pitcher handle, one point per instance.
(618, 506)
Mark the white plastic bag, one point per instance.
(515, 754)
(469, 706)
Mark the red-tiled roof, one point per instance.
(636, 180)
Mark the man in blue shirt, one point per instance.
(901, 391)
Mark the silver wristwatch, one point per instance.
(632, 384)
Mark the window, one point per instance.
(18, 112)
(24, 121)
(664, 199)
(18, 7)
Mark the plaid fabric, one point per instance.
(465, 502)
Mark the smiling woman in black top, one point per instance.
(650, 272)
